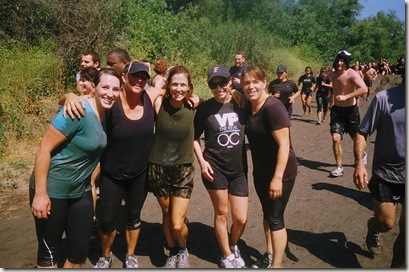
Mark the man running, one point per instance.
(347, 85)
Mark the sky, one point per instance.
(371, 7)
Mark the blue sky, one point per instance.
(371, 7)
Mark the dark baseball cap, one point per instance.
(137, 67)
(281, 69)
(218, 71)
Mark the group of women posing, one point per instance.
(151, 137)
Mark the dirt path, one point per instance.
(325, 218)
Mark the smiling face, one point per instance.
(107, 91)
(254, 87)
(87, 61)
(135, 82)
(85, 87)
(178, 88)
(220, 87)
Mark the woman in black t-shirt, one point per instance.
(307, 84)
(274, 161)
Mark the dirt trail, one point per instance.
(325, 217)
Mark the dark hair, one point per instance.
(179, 70)
(108, 71)
(309, 67)
(122, 54)
(89, 74)
(94, 55)
(161, 66)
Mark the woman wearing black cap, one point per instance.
(223, 162)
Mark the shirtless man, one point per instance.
(347, 85)
(369, 77)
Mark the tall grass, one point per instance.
(28, 77)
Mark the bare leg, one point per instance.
(267, 234)
(68, 264)
(399, 248)
(164, 203)
(279, 241)
(178, 211)
(107, 240)
(221, 213)
(304, 107)
(336, 148)
(131, 240)
(239, 209)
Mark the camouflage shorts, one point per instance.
(171, 180)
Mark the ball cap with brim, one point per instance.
(218, 71)
(281, 69)
(344, 55)
(137, 67)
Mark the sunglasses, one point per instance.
(222, 83)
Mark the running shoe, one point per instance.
(131, 262)
(372, 241)
(339, 171)
(183, 259)
(105, 262)
(228, 262)
(238, 259)
(318, 122)
(171, 262)
(264, 261)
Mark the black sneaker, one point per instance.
(264, 261)
(372, 241)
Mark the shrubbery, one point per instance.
(41, 42)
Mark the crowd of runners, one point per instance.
(127, 135)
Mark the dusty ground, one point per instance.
(325, 217)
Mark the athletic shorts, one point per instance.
(237, 186)
(368, 83)
(385, 191)
(307, 92)
(345, 120)
(174, 181)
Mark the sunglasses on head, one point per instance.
(221, 83)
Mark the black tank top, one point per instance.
(129, 141)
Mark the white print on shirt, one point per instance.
(229, 134)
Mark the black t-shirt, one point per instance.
(323, 91)
(271, 116)
(307, 82)
(224, 130)
(286, 89)
(236, 72)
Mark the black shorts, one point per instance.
(237, 186)
(307, 92)
(345, 120)
(385, 191)
(175, 181)
(368, 83)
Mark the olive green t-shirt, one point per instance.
(174, 136)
